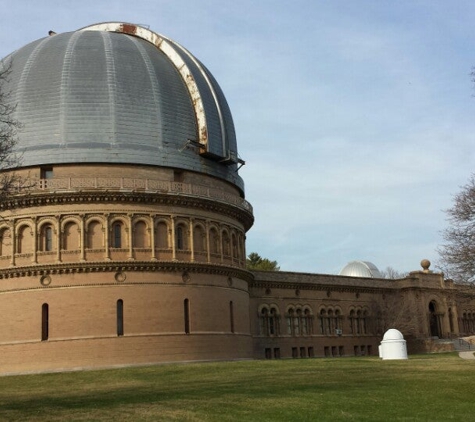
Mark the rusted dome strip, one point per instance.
(167, 48)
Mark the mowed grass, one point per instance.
(425, 388)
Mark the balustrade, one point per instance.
(130, 184)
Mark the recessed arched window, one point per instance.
(199, 239)
(44, 322)
(94, 235)
(213, 241)
(304, 324)
(46, 238)
(71, 237)
(234, 245)
(179, 237)
(289, 318)
(140, 235)
(181, 240)
(226, 245)
(337, 323)
(323, 317)
(364, 322)
(329, 322)
(117, 235)
(352, 320)
(5, 242)
(161, 235)
(269, 321)
(120, 317)
(307, 317)
(298, 322)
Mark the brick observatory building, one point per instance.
(125, 243)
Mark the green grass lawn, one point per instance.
(425, 387)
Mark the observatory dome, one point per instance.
(393, 334)
(118, 93)
(361, 269)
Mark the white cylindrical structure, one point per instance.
(393, 345)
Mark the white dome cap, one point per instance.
(393, 334)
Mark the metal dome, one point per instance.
(361, 269)
(119, 93)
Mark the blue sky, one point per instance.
(355, 118)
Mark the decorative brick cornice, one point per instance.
(42, 199)
(316, 287)
(128, 266)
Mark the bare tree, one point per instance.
(458, 253)
(391, 273)
(396, 310)
(9, 128)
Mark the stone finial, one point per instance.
(425, 264)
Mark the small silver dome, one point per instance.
(119, 93)
(361, 269)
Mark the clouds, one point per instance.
(355, 118)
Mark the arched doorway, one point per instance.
(434, 320)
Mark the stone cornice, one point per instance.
(316, 286)
(122, 266)
(97, 197)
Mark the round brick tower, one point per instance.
(125, 242)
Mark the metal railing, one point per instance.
(126, 184)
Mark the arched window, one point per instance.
(117, 235)
(352, 320)
(120, 317)
(264, 321)
(297, 322)
(290, 317)
(140, 235)
(5, 242)
(329, 323)
(269, 321)
(304, 324)
(44, 322)
(199, 239)
(214, 241)
(46, 238)
(71, 237)
(161, 235)
(241, 247)
(323, 317)
(225, 245)
(308, 321)
(25, 241)
(274, 323)
(337, 320)
(364, 322)
(435, 323)
(181, 240)
(94, 235)
(234, 245)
